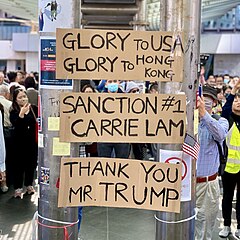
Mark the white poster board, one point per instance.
(167, 156)
(54, 14)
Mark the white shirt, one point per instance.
(2, 148)
(6, 104)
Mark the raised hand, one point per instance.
(236, 87)
(24, 110)
(201, 106)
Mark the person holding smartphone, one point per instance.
(23, 118)
(207, 187)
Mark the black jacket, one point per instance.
(228, 114)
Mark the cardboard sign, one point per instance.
(120, 183)
(146, 118)
(125, 55)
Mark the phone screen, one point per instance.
(200, 90)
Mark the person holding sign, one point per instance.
(121, 150)
(207, 187)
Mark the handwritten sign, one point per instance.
(125, 55)
(158, 118)
(119, 183)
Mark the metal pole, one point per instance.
(140, 17)
(182, 15)
(120, 10)
(139, 23)
(48, 194)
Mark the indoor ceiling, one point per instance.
(28, 9)
(211, 9)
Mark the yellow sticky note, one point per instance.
(60, 148)
(196, 121)
(53, 123)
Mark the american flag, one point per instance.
(191, 146)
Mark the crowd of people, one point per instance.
(19, 105)
(221, 96)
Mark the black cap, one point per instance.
(210, 91)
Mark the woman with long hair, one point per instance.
(23, 118)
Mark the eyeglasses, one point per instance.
(134, 91)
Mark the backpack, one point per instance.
(223, 152)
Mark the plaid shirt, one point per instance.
(82, 151)
(209, 130)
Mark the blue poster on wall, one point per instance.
(48, 66)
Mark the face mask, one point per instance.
(208, 104)
(226, 80)
(112, 87)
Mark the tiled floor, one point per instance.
(98, 223)
(117, 224)
(16, 216)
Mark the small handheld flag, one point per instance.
(191, 146)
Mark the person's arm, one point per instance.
(14, 115)
(101, 85)
(18, 118)
(217, 128)
(227, 108)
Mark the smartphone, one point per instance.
(200, 90)
(198, 94)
